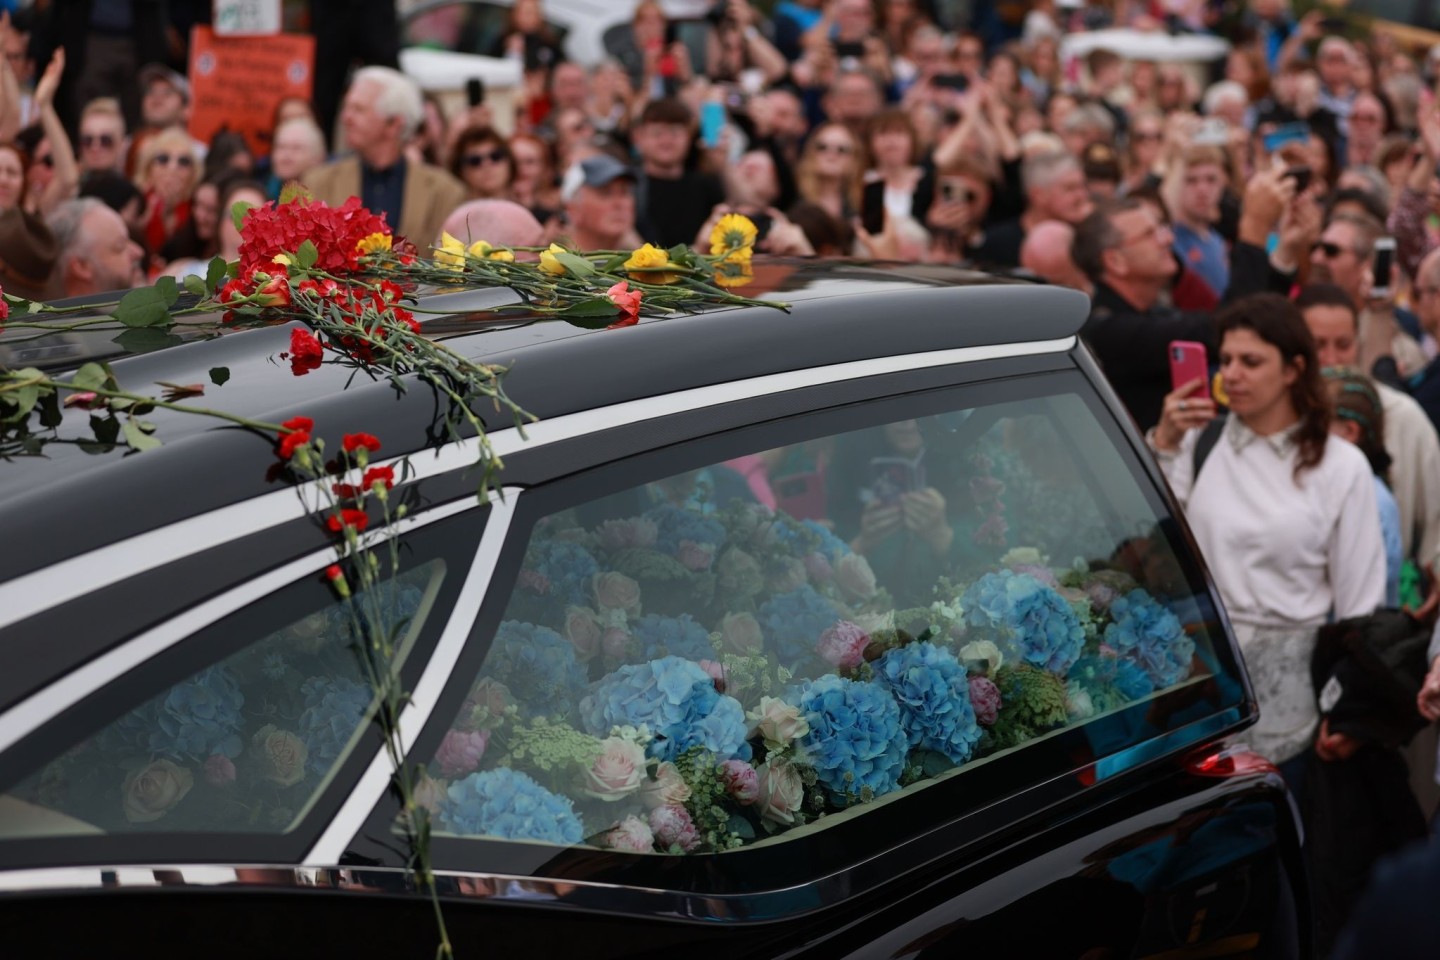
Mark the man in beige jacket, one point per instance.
(382, 108)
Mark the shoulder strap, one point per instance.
(1209, 436)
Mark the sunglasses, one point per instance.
(180, 159)
(480, 159)
(106, 140)
(840, 148)
(1329, 250)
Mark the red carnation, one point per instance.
(291, 442)
(348, 518)
(299, 423)
(347, 491)
(354, 441)
(333, 572)
(305, 351)
(377, 474)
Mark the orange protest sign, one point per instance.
(236, 82)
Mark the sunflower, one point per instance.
(733, 271)
(374, 243)
(732, 234)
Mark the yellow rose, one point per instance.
(732, 234)
(481, 250)
(642, 263)
(548, 263)
(451, 253)
(150, 792)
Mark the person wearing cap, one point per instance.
(672, 199)
(164, 97)
(599, 195)
(382, 108)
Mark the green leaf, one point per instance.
(307, 254)
(575, 265)
(50, 413)
(590, 309)
(146, 306)
(25, 399)
(219, 375)
(89, 377)
(147, 340)
(680, 253)
(168, 289)
(138, 439)
(238, 213)
(214, 273)
(614, 263)
(741, 827)
(106, 429)
(195, 285)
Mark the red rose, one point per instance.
(348, 518)
(354, 441)
(378, 474)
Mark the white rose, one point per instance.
(617, 772)
(778, 722)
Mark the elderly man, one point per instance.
(381, 110)
(96, 252)
(500, 223)
(1046, 253)
(1054, 190)
(599, 195)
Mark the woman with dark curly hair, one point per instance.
(1283, 510)
(483, 161)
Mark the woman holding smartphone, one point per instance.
(1283, 511)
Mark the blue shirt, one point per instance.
(383, 191)
(1390, 536)
(1205, 254)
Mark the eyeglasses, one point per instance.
(1156, 231)
(1327, 249)
(106, 140)
(840, 148)
(179, 159)
(480, 159)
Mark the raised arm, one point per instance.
(65, 185)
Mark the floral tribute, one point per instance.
(692, 678)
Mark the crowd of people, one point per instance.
(1290, 185)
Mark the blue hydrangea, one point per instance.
(334, 710)
(539, 667)
(674, 524)
(672, 636)
(1037, 623)
(1132, 681)
(1146, 632)
(192, 720)
(792, 623)
(567, 570)
(856, 742)
(678, 702)
(827, 543)
(933, 692)
(508, 804)
(398, 604)
(273, 666)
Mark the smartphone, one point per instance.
(1212, 132)
(893, 477)
(1383, 268)
(763, 222)
(1301, 175)
(953, 81)
(712, 122)
(855, 50)
(475, 91)
(1188, 361)
(1286, 134)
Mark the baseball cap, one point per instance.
(158, 71)
(598, 170)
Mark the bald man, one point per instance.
(1046, 253)
(499, 223)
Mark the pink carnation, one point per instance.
(741, 781)
(219, 770)
(843, 645)
(631, 834)
(460, 752)
(985, 698)
(673, 827)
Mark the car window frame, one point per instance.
(1012, 782)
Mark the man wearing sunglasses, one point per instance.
(381, 110)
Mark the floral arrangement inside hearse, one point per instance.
(693, 680)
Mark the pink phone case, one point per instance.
(1188, 362)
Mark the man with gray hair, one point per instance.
(382, 108)
(96, 252)
(1054, 190)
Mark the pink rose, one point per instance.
(781, 791)
(219, 770)
(615, 591)
(485, 706)
(695, 556)
(717, 673)
(618, 771)
(429, 792)
(667, 788)
(151, 791)
(777, 722)
(787, 574)
(583, 630)
(631, 834)
(818, 567)
(741, 781)
(461, 751)
(614, 642)
(854, 576)
(673, 827)
(843, 645)
(985, 698)
(627, 534)
(280, 755)
(740, 634)
(534, 581)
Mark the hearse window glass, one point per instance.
(244, 745)
(750, 651)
